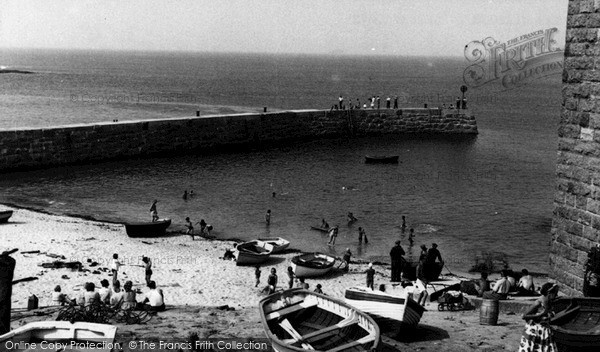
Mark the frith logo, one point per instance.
(514, 63)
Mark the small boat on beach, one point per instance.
(253, 252)
(321, 229)
(5, 215)
(147, 229)
(279, 244)
(391, 312)
(381, 159)
(64, 335)
(577, 323)
(298, 320)
(312, 264)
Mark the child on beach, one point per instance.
(190, 228)
(271, 282)
(114, 267)
(370, 276)
(148, 268)
(318, 289)
(59, 298)
(257, 275)
(290, 273)
(104, 291)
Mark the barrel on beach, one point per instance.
(488, 313)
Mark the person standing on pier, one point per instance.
(378, 102)
(396, 102)
(341, 99)
(388, 101)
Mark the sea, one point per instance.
(486, 196)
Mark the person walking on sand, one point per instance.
(147, 269)
(257, 275)
(268, 217)
(153, 211)
(115, 264)
(190, 228)
(370, 276)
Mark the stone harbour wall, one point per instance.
(576, 219)
(53, 146)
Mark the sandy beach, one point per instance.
(197, 283)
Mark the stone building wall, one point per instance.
(576, 220)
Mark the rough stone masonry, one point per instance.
(576, 220)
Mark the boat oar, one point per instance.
(287, 326)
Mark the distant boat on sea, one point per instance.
(381, 159)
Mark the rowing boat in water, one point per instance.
(312, 264)
(147, 229)
(381, 159)
(5, 215)
(298, 320)
(577, 324)
(253, 252)
(391, 312)
(62, 335)
(279, 244)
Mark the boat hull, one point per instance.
(5, 215)
(577, 323)
(296, 320)
(147, 229)
(312, 264)
(252, 253)
(62, 332)
(389, 311)
(392, 159)
(279, 244)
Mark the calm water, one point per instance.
(491, 193)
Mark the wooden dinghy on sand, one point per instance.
(577, 323)
(299, 320)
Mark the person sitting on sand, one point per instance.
(104, 291)
(501, 288)
(538, 336)
(271, 282)
(483, 284)
(190, 227)
(302, 284)
(147, 268)
(155, 299)
(318, 289)
(153, 211)
(90, 296)
(370, 276)
(59, 298)
(117, 295)
(525, 286)
(129, 299)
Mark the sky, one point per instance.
(341, 27)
